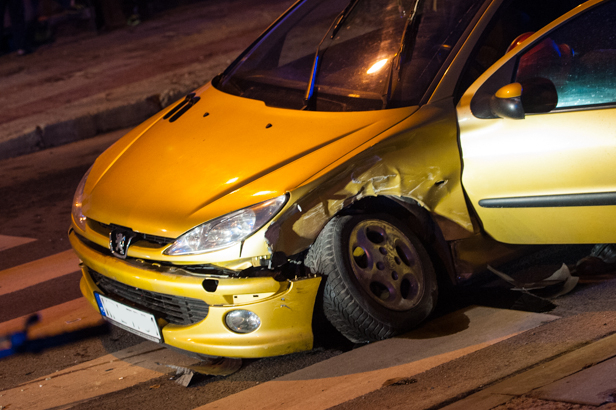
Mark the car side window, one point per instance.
(578, 58)
(514, 18)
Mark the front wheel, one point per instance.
(379, 278)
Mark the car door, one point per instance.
(538, 134)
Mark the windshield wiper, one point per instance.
(343, 16)
(309, 97)
(396, 65)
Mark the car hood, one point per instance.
(222, 154)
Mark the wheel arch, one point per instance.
(418, 220)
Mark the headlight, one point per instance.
(227, 230)
(78, 217)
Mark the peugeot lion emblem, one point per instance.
(119, 241)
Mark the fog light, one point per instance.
(242, 321)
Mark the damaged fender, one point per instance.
(416, 161)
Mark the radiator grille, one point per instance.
(174, 309)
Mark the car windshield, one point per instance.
(336, 55)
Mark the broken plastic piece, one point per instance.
(185, 378)
(559, 283)
(219, 366)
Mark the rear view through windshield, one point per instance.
(334, 55)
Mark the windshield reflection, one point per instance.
(336, 55)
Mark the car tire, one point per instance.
(379, 281)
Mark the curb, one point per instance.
(85, 126)
(105, 112)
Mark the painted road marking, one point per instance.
(94, 378)
(577, 369)
(8, 242)
(348, 376)
(88, 380)
(41, 270)
(66, 317)
(320, 386)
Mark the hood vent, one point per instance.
(179, 110)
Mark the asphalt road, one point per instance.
(36, 192)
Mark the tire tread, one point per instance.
(340, 305)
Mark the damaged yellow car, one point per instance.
(371, 149)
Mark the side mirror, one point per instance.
(507, 102)
(539, 95)
(531, 96)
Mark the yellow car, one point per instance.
(368, 149)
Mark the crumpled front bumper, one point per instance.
(285, 308)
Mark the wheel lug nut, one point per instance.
(383, 250)
(380, 265)
(394, 275)
(397, 260)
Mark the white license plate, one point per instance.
(130, 319)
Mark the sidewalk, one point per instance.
(86, 84)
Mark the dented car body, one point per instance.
(352, 147)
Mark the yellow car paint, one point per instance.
(198, 184)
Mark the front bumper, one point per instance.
(285, 308)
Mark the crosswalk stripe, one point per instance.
(320, 386)
(7, 242)
(328, 392)
(41, 270)
(366, 369)
(88, 380)
(83, 382)
(66, 317)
